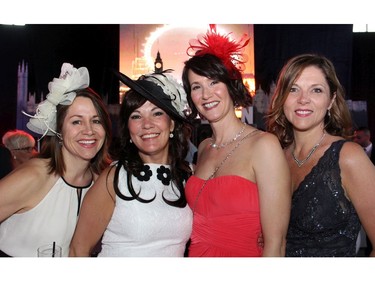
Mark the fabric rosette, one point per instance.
(172, 88)
(61, 91)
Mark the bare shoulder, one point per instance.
(358, 173)
(262, 140)
(35, 169)
(203, 144)
(351, 146)
(30, 171)
(104, 184)
(352, 154)
(108, 173)
(25, 186)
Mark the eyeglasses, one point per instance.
(28, 149)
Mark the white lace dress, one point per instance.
(153, 229)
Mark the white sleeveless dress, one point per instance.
(53, 220)
(153, 229)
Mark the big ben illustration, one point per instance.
(158, 64)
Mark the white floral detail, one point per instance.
(172, 88)
(61, 91)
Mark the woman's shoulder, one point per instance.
(348, 153)
(28, 182)
(351, 150)
(33, 168)
(203, 144)
(261, 139)
(108, 172)
(344, 146)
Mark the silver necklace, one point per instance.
(301, 162)
(218, 146)
(219, 166)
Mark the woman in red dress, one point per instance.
(241, 188)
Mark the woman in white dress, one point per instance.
(40, 200)
(138, 206)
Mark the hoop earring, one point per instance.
(171, 135)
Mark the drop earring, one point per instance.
(130, 141)
(171, 135)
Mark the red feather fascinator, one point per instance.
(222, 46)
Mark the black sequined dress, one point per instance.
(323, 221)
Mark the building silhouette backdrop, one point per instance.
(46, 47)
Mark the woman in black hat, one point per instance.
(138, 204)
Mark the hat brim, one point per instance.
(151, 92)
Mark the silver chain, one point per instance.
(218, 167)
(218, 146)
(301, 162)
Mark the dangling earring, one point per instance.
(171, 135)
(328, 113)
(130, 141)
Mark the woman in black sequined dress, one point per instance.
(333, 179)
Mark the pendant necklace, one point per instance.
(301, 162)
(218, 146)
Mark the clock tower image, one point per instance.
(158, 63)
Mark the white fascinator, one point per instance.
(61, 91)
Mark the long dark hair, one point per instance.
(51, 147)
(129, 159)
(212, 67)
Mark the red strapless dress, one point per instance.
(226, 217)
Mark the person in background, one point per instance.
(191, 156)
(333, 179)
(241, 189)
(21, 144)
(138, 204)
(40, 200)
(6, 165)
(362, 136)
